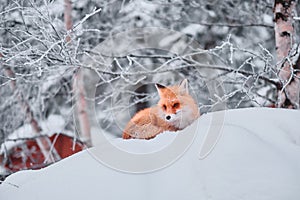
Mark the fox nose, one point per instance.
(168, 117)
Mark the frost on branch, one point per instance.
(231, 66)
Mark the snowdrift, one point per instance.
(256, 157)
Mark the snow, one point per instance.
(257, 157)
(53, 124)
(193, 29)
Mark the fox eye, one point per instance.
(175, 105)
(164, 107)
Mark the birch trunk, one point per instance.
(288, 95)
(50, 154)
(78, 86)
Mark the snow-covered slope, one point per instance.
(257, 157)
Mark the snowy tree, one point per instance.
(86, 61)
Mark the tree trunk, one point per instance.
(68, 18)
(78, 86)
(288, 95)
(50, 154)
(81, 108)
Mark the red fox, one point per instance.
(175, 110)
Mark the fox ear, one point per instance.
(184, 87)
(159, 87)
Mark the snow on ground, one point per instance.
(257, 157)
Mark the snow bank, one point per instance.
(257, 157)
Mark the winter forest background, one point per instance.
(57, 75)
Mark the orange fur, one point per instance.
(175, 110)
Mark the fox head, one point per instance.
(177, 107)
